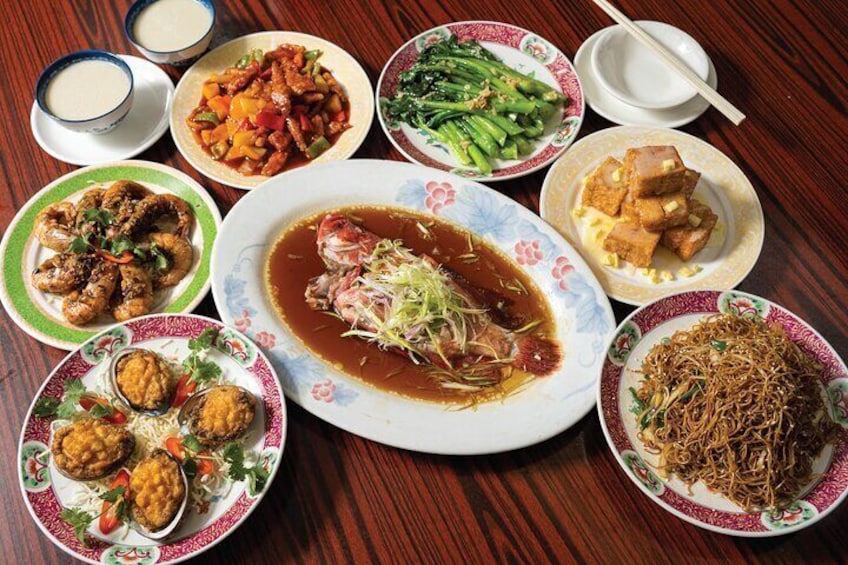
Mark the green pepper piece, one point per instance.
(318, 146)
(312, 54)
(207, 117)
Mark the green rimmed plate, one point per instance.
(40, 314)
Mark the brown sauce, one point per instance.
(294, 260)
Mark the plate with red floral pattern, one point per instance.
(617, 408)
(220, 494)
(519, 49)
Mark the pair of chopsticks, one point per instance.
(720, 103)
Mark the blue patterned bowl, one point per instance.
(179, 58)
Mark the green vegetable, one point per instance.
(65, 410)
(312, 54)
(718, 345)
(638, 404)
(211, 117)
(202, 371)
(190, 442)
(79, 520)
(119, 244)
(318, 146)
(256, 475)
(99, 216)
(161, 262)
(256, 55)
(45, 407)
(79, 245)
(464, 94)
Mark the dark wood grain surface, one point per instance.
(339, 498)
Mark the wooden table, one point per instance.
(340, 498)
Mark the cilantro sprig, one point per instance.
(65, 409)
(256, 475)
(80, 520)
(202, 371)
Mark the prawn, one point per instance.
(155, 206)
(62, 273)
(82, 306)
(121, 198)
(90, 200)
(54, 226)
(180, 257)
(136, 292)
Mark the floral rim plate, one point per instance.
(38, 313)
(731, 252)
(647, 326)
(548, 406)
(44, 489)
(521, 50)
(345, 68)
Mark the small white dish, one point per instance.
(608, 106)
(181, 57)
(145, 123)
(639, 77)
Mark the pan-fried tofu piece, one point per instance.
(688, 239)
(605, 187)
(690, 181)
(632, 243)
(656, 213)
(654, 170)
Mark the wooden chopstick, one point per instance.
(721, 103)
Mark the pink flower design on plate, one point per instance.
(244, 322)
(538, 50)
(622, 343)
(561, 269)
(265, 340)
(440, 195)
(528, 252)
(323, 390)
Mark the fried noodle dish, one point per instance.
(735, 404)
(270, 111)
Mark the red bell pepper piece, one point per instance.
(270, 120)
(305, 124)
(185, 388)
(340, 116)
(88, 401)
(123, 258)
(109, 513)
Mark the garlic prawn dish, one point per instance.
(116, 250)
(412, 304)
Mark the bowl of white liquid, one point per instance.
(88, 91)
(171, 32)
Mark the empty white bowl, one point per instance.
(637, 76)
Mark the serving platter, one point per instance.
(344, 67)
(546, 407)
(736, 241)
(646, 327)
(40, 314)
(518, 48)
(210, 520)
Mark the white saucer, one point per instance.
(608, 106)
(145, 123)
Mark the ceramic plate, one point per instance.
(548, 406)
(46, 491)
(40, 314)
(608, 106)
(344, 67)
(736, 241)
(145, 123)
(635, 337)
(516, 47)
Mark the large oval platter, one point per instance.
(40, 314)
(516, 47)
(705, 508)
(211, 516)
(548, 406)
(344, 67)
